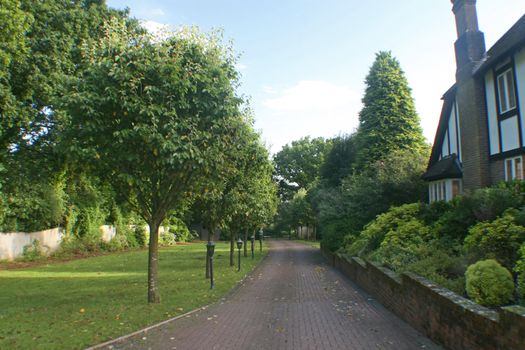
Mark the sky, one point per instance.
(304, 62)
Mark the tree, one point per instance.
(388, 120)
(153, 117)
(297, 165)
(44, 38)
(339, 160)
(13, 48)
(39, 49)
(251, 200)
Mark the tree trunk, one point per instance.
(315, 233)
(153, 287)
(245, 243)
(232, 249)
(307, 232)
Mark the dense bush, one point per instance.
(488, 283)
(520, 271)
(402, 246)
(484, 204)
(441, 263)
(374, 233)
(499, 239)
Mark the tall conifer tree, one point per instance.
(388, 120)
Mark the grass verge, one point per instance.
(88, 301)
(315, 244)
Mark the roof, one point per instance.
(512, 39)
(446, 168)
(448, 101)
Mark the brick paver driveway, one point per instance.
(292, 301)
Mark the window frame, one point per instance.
(514, 165)
(503, 91)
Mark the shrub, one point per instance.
(167, 237)
(402, 246)
(520, 271)
(488, 283)
(371, 237)
(141, 235)
(484, 204)
(33, 251)
(441, 264)
(178, 230)
(499, 239)
(119, 242)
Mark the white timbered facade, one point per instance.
(481, 133)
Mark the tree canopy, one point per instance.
(153, 118)
(388, 120)
(297, 165)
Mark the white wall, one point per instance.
(12, 244)
(519, 60)
(492, 113)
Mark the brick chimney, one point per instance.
(470, 46)
(470, 96)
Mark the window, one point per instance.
(506, 91)
(456, 188)
(444, 190)
(513, 169)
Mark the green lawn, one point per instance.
(315, 244)
(85, 302)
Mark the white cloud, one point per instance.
(309, 107)
(153, 27)
(312, 95)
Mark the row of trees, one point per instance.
(103, 122)
(340, 184)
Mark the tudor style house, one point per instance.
(480, 138)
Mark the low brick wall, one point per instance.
(443, 316)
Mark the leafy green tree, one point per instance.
(339, 161)
(13, 49)
(388, 120)
(47, 36)
(153, 118)
(297, 165)
(251, 200)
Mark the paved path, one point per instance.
(292, 301)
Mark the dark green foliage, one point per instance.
(392, 182)
(388, 120)
(403, 245)
(141, 235)
(339, 160)
(519, 269)
(499, 240)
(297, 165)
(442, 264)
(488, 283)
(482, 205)
(374, 233)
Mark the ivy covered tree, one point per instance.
(388, 120)
(153, 118)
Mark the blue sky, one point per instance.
(303, 62)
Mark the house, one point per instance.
(480, 138)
